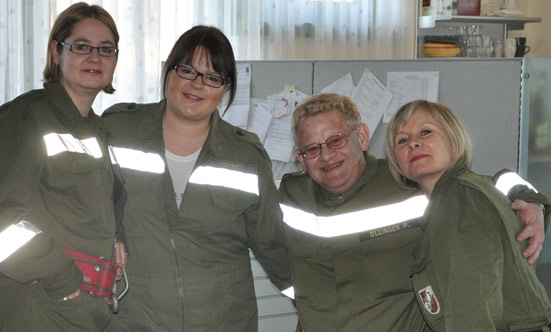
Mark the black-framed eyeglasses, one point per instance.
(336, 142)
(189, 73)
(108, 51)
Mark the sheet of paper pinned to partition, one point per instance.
(409, 86)
(238, 113)
(370, 96)
(270, 119)
(279, 141)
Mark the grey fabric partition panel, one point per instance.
(269, 77)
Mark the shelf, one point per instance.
(513, 23)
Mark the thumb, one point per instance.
(518, 205)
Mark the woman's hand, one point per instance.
(121, 257)
(77, 293)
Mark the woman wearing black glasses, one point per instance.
(58, 186)
(201, 195)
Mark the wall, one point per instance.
(537, 34)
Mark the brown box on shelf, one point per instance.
(468, 7)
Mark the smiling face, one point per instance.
(85, 74)
(423, 150)
(191, 100)
(334, 170)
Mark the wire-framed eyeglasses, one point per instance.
(108, 51)
(189, 73)
(336, 142)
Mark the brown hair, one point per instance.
(322, 103)
(459, 138)
(217, 48)
(62, 29)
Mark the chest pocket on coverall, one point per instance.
(306, 264)
(227, 210)
(71, 169)
(390, 247)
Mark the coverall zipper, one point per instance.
(180, 286)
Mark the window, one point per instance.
(258, 30)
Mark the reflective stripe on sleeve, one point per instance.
(357, 221)
(223, 177)
(57, 143)
(508, 180)
(138, 160)
(16, 236)
(289, 292)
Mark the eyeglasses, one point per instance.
(188, 73)
(107, 51)
(336, 142)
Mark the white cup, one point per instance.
(498, 48)
(509, 47)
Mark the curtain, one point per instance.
(257, 29)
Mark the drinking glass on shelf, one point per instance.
(474, 41)
(462, 41)
(450, 30)
(487, 47)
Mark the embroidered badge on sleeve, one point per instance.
(429, 300)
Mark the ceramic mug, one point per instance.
(509, 47)
(522, 48)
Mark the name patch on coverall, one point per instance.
(389, 230)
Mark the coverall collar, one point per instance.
(152, 125)
(448, 176)
(65, 108)
(216, 143)
(152, 122)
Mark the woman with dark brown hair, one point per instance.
(201, 194)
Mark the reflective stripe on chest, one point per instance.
(223, 177)
(138, 160)
(16, 236)
(58, 143)
(357, 221)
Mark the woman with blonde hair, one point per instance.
(468, 273)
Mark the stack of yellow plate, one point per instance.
(440, 50)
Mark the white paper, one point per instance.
(409, 86)
(279, 141)
(285, 103)
(299, 95)
(344, 86)
(372, 99)
(260, 118)
(280, 104)
(238, 113)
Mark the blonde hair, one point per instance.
(322, 103)
(62, 29)
(459, 138)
